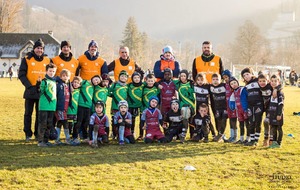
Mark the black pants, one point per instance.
(45, 124)
(83, 118)
(29, 105)
(277, 133)
(172, 132)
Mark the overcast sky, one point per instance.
(190, 19)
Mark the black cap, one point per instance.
(39, 43)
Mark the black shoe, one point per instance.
(251, 143)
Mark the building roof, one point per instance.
(12, 43)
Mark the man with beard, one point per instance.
(208, 62)
(90, 63)
(65, 60)
(32, 68)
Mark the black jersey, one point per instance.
(254, 94)
(174, 119)
(202, 94)
(218, 96)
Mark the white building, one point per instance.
(14, 46)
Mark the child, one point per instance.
(202, 92)
(73, 106)
(168, 91)
(99, 122)
(85, 103)
(47, 105)
(226, 75)
(185, 91)
(153, 119)
(123, 121)
(64, 99)
(238, 104)
(276, 113)
(201, 122)
(255, 105)
(219, 108)
(135, 90)
(118, 91)
(150, 89)
(174, 119)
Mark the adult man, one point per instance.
(65, 60)
(90, 63)
(32, 68)
(167, 60)
(208, 62)
(124, 63)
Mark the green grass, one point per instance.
(219, 166)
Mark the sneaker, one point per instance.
(217, 138)
(42, 144)
(251, 143)
(121, 142)
(266, 143)
(90, 142)
(68, 141)
(239, 142)
(27, 139)
(182, 137)
(75, 142)
(58, 143)
(274, 145)
(49, 144)
(94, 145)
(139, 138)
(205, 140)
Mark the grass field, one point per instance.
(219, 166)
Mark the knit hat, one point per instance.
(185, 72)
(93, 43)
(246, 70)
(153, 98)
(136, 74)
(167, 49)
(105, 76)
(39, 43)
(122, 103)
(233, 79)
(174, 101)
(123, 72)
(227, 72)
(65, 43)
(101, 103)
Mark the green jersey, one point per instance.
(135, 95)
(86, 94)
(148, 92)
(118, 92)
(100, 94)
(48, 99)
(185, 93)
(72, 109)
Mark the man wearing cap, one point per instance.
(126, 63)
(32, 68)
(167, 60)
(65, 60)
(90, 63)
(208, 62)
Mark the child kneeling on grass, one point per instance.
(99, 123)
(201, 122)
(152, 117)
(123, 122)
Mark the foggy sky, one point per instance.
(178, 20)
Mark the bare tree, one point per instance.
(10, 15)
(250, 47)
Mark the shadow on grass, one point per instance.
(17, 154)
